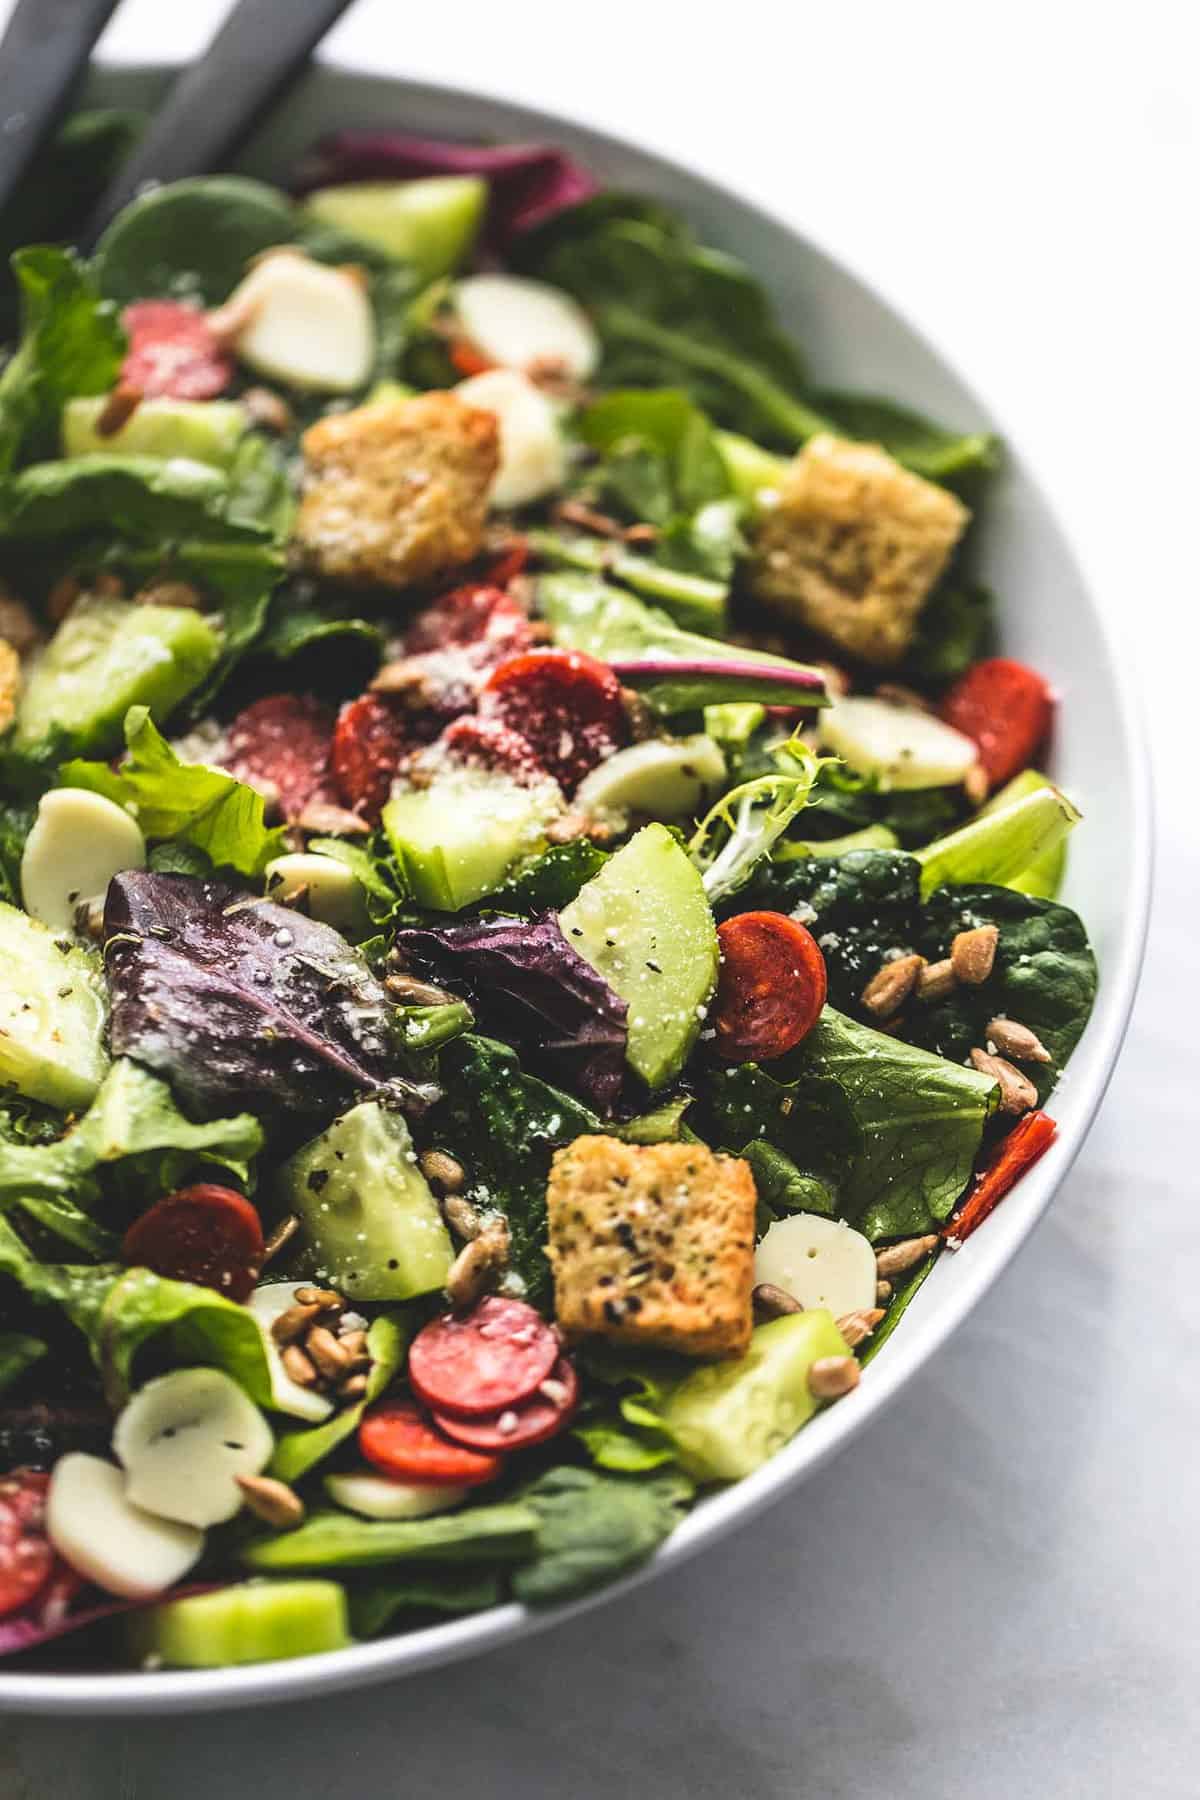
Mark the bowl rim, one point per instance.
(177, 1691)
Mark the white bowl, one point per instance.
(1049, 617)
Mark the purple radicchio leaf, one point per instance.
(527, 183)
(238, 1002)
(41, 1622)
(537, 989)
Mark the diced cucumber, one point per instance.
(107, 656)
(727, 1419)
(899, 745)
(252, 1621)
(368, 1215)
(644, 923)
(206, 431)
(1044, 877)
(430, 223)
(52, 1014)
(457, 838)
(670, 778)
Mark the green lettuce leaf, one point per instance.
(189, 802)
(142, 498)
(501, 1533)
(71, 343)
(593, 1527)
(18, 1352)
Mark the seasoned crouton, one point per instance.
(653, 1245)
(397, 493)
(10, 683)
(854, 545)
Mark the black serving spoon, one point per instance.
(213, 106)
(43, 53)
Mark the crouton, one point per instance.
(10, 683)
(652, 1245)
(397, 493)
(854, 545)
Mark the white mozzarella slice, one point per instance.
(331, 892)
(265, 1304)
(78, 842)
(820, 1262)
(533, 458)
(94, 1526)
(184, 1439)
(304, 323)
(523, 324)
(377, 1497)
(900, 745)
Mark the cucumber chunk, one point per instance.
(368, 1215)
(900, 746)
(672, 778)
(457, 838)
(206, 431)
(106, 656)
(644, 924)
(52, 1014)
(729, 1418)
(252, 1621)
(430, 223)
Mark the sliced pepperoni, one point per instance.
(530, 1422)
(27, 1557)
(281, 745)
(372, 737)
(173, 352)
(771, 987)
(487, 744)
(399, 1441)
(482, 1361)
(480, 615)
(567, 705)
(205, 1234)
(1007, 708)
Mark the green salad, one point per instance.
(528, 903)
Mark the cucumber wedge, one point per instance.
(645, 924)
(252, 1621)
(206, 431)
(431, 223)
(52, 1014)
(457, 838)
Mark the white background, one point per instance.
(994, 1592)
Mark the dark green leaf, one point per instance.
(501, 1533)
(550, 880)
(191, 239)
(592, 1527)
(18, 1352)
(138, 497)
(429, 1590)
(954, 630)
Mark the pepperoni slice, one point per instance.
(1007, 708)
(487, 744)
(173, 352)
(481, 1362)
(27, 1557)
(566, 704)
(530, 1422)
(771, 987)
(205, 1234)
(281, 744)
(372, 737)
(480, 615)
(398, 1440)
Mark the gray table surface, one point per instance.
(994, 1592)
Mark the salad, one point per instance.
(527, 896)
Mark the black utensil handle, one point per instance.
(214, 104)
(42, 54)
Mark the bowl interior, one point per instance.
(852, 338)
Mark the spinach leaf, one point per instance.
(504, 1126)
(1044, 974)
(191, 239)
(803, 1118)
(70, 344)
(294, 629)
(504, 1532)
(299, 1450)
(230, 997)
(550, 880)
(133, 1120)
(119, 1310)
(592, 1527)
(700, 550)
(374, 1605)
(529, 979)
(782, 1187)
(921, 1120)
(674, 440)
(954, 629)
(925, 448)
(18, 1352)
(897, 1306)
(189, 802)
(620, 1426)
(143, 498)
(16, 822)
